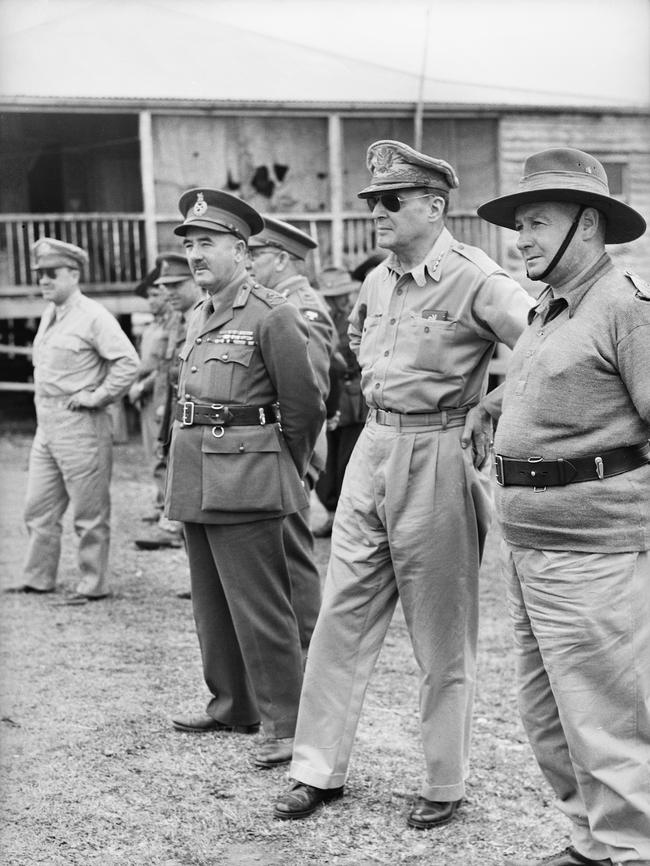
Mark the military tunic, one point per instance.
(232, 487)
(413, 511)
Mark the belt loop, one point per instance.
(444, 418)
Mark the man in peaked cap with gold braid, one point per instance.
(83, 362)
(416, 503)
(235, 473)
(277, 256)
(573, 501)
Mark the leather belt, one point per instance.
(540, 474)
(446, 418)
(220, 415)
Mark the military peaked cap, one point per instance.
(394, 165)
(218, 211)
(284, 236)
(333, 282)
(53, 253)
(172, 268)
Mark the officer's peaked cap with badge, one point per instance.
(53, 253)
(218, 211)
(172, 268)
(334, 282)
(284, 236)
(564, 174)
(394, 165)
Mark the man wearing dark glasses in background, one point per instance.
(415, 504)
(83, 361)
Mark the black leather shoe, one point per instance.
(568, 857)
(203, 723)
(274, 752)
(301, 800)
(426, 814)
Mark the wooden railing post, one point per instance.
(148, 187)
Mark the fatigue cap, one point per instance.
(336, 281)
(53, 253)
(395, 165)
(172, 268)
(564, 174)
(284, 236)
(218, 211)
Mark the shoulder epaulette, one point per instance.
(271, 298)
(475, 255)
(642, 286)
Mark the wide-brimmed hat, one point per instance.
(334, 282)
(567, 175)
(395, 165)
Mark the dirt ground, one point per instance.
(92, 772)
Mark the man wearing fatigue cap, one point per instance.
(574, 505)
(145, 393)
(415, 503)
(174, 277)
(346, 408)
(83, 361)
(277, 256)
(235, 473)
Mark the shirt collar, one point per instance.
(60, 310)
(431, 265)
(574, 291)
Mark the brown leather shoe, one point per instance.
(301, 800)
(568, 857)
(202, 723)
(426, 814)
(273, 752)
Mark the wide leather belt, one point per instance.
(446, 418)
(538, 473)
(220, 415)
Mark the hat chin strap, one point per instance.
(565, 243)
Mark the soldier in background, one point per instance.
(83, 362)
(277, 256)
(145, 393)
(346, 408)
(182, 294)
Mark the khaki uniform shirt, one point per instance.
(252, 350)
(579, 383)
(425, 338)
(80, 346)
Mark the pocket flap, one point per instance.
(240, 440)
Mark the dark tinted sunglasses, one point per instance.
(391, 201)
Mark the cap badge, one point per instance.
(200, 206)
(384, 157)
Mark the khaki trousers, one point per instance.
(70, 462)
(582, 632)
(410, 524)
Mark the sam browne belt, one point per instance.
(539, 473)
(218, 414)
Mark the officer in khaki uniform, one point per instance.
(415, 504)
(277, 255)
(248, 414)
(83, 361)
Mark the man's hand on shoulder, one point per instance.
(478, 432)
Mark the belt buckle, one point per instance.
(536, 460)
(188, 414)
(498, 463)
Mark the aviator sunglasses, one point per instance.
(50, 273)
(391, 201)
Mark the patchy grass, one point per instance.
(94, 774)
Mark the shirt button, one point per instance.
(426, 329)
(540, 333)
(400, 292)
(193, 369)
(187, 397)
(377, 385)
(199, 341)
(242, 447)
(528, 354)
(224, 357)
(386, 353)
(392, 321)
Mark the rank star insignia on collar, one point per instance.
(200, 206)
